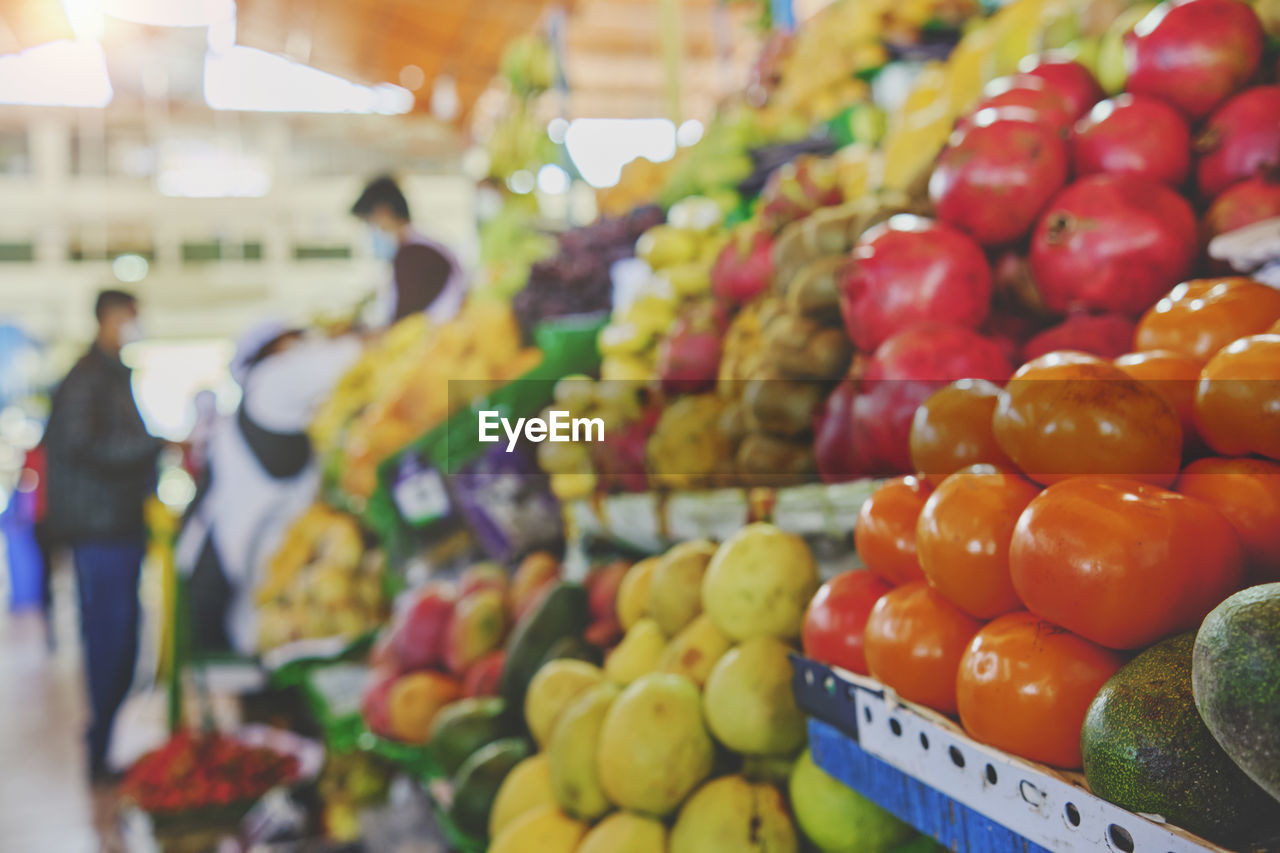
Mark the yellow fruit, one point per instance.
(413, 702)
(689, 279)
(637, 654)
(654, 747)
(695, 650)
(665, 245)
(624, 832)
(527, 787)
(731, 815)
(552, 690)
(625, 370)
(675, 590)
(620, 339)
(633, 592)
(543, 830)
(572, 487)
(759, 583)
(749, 704)
(572, 753)
(837, 819)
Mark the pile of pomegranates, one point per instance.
(1099, 206)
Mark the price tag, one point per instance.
(713, 515)
(419, 493)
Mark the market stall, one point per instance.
(938, 486)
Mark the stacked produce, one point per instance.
(320, 582)
(576, 280)
(685, 739)
(400, 387)
(204, 771)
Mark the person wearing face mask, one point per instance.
(101, 467)
(260, 476)
(426, 276)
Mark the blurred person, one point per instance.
(426, 275)
(101, 466)
(205, 404)
(260, 476)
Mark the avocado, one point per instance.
(562, 613)
(1236, 677)
(466, 725)
(572, 647)
(476, 783)
(1146, 749)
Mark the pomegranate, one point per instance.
(1010, 326)
(1024, 90)
(902, 374)
(1072, 82)
(1244, 203)
(689, 357)
(1193, 54)
(1240, 138)
(833, 451)
(995, 178)
(1112, 243)
(744, 268)
(1133, 135)
(910, 270)
(619, 461)
(1103, 335)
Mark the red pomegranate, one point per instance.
(1193, 54)
(1241, 137)
(994, 178)
(910, 270)
(836, 458)
(1244, 203)
(904, 371)
(1112, 243)
(1069, 79)
(1024, 90)
(1133, 135)
(689, 356)
(744, 268)
(1104, 335)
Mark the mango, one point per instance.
(484, 575)
(572, 753)
(665, 245)
(543, 830)
(552, 690)
(675, 590)
(633, 593)
(623, 832)
(535, 573)
(749, 704)
(637, 654)
(654, 747)
(479, 626)
(836, 818)
(527, 787)
(695, 650)
(413, 702)
(759, 583)
(732, 815)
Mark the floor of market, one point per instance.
(45, 801)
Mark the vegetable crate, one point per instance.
(923, 768)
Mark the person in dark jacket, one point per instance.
(101, 465)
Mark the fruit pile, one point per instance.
(400, 387)
(320, 582)
(1088, 509)
(576, 280)
(687, 736)
(197, 771)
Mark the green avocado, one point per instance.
(475, 786)
(1236, 677)
(562, 613)
(466, 725)
(1146, 749)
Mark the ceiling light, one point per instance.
(57, 74)
(553, 180)
(600, 147)
(169, 13)
(412, 77)
(86, 18)
(556, 129)
(130, 268)
(521, 182)
(689, 133)
(245, 78)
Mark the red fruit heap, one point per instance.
(195, 771)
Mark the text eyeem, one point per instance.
(557, 426)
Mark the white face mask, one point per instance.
(130, 332)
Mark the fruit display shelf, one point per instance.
(651, 522)
(922, 767)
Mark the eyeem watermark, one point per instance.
(558, 426)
